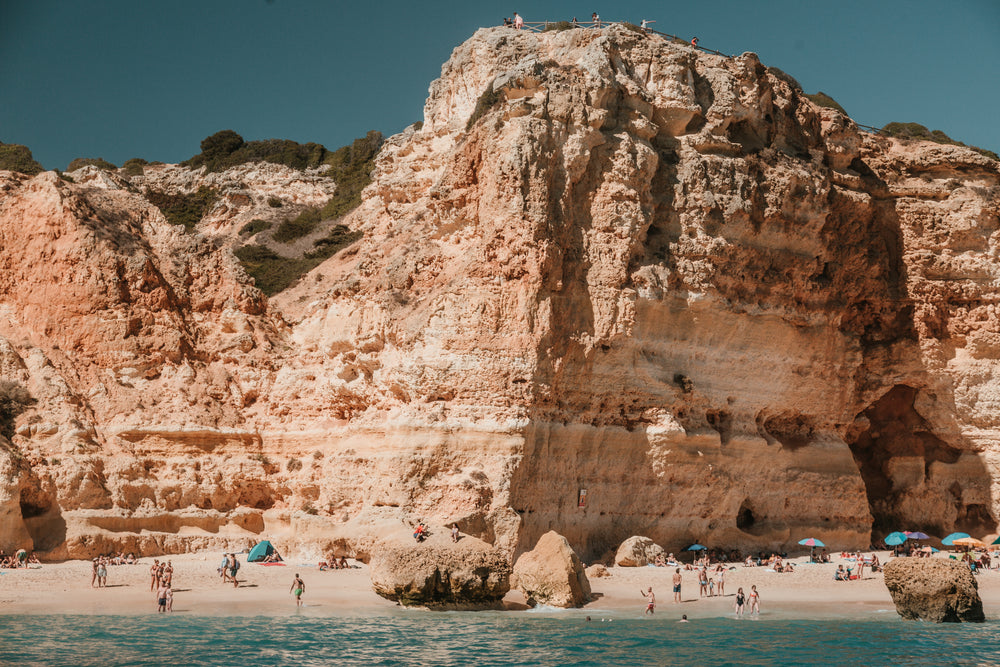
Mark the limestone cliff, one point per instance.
(604, 263)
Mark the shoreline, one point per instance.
(809, 592)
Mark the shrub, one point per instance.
(351, 167)
(227, 149)
(65, 177)
(293, 465)
(14, 399)
(254, 227)
(273, 273)
(15, 157)
(309, 509)
(181, 209)
(558, 26)
(823, 100)
(299, 226)
(274, 202)
(338, 237)
(783, 76)
(486, 101)
(99, 162)
(134, 166)
(919, 132)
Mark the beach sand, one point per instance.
(64, 588)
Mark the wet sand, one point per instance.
(64, 588)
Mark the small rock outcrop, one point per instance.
(942, 591)
(597, 571)
(469, 575)
(637, 551)
(551, 574)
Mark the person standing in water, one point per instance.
(650, 600)
(740, 601)
(754, 601)
(298, 588)
(161, 597)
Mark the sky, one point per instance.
(151, 78)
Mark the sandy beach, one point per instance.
(64, 588)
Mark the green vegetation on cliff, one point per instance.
(823, 100)
(183, 209)
(273, 273)
(98, 162)
(15, 157)
(918, 131)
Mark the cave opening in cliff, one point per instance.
(899, 459)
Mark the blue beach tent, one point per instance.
(260, 552)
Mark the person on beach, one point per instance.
(102, 573)
(161, 598)
(154, 574)
(702, 583)
(170, 598)
(234, 567)
(720, 583)
(298, 588)
(677, 585)
(454, 532)
(754, 601)
(168, 573)
(224, 568)
(93, 574)
(740, 601)
(650, 600)
(711, 587)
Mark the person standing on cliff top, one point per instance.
(518, 21)
(650, 600)
(677, 585)
(595, 19)
(694, 42)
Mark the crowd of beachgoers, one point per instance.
(20, 558)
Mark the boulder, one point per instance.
(597, 571)
(934, 589)
(551, 574)
(637, 551)
(468, 575)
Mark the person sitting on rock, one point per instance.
(420, 534)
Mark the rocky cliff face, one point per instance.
(605, 267)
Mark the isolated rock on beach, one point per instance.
(637, 551)
(468, 575)
(597, 571)
(933, 589)
(551, 574)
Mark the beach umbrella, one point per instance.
(895, 539)
(811, 542)
(948, 541)
(968, 542)
(696, 547)
(917, 535)
(996, 541)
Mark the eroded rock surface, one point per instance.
(638, 551)
(551, 574)
(934, 589)
(604, 263)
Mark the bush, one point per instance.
(783, 76)
(254, 227)
(823, 100)
(486, 101)
(227, 149)
(558, 26)
(299, 226)
(15, 157)
(14, 399)
(338, 237)
(351, 167)
(916, 131)
(134, 166)
(99, 162)
(273, 273)
(181, 209)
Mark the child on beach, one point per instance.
(711, 588)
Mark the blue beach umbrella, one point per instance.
(950, 540)
(917, 535)
(696, 547)
(895, 539)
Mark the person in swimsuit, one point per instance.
(93, 574)
(298, 588)
(168, 573)
(720, 583)
(740, 601)
(702, 583)
(650, 601)
(677, 585)
(234, 567)
(754, 601)
(161, 598)
(102, 573)
(170, 598)
(154, 572)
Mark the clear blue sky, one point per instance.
(151, 78)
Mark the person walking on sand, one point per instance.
(677, 585)
(518, 21)
(93, 574)
(102, 573)
(298, 588)
(754, 601)
(161, 598)
(234, 567)
(740, 601)
(650, 600)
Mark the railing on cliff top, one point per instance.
(542, 26)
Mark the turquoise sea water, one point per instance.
(483, 639)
